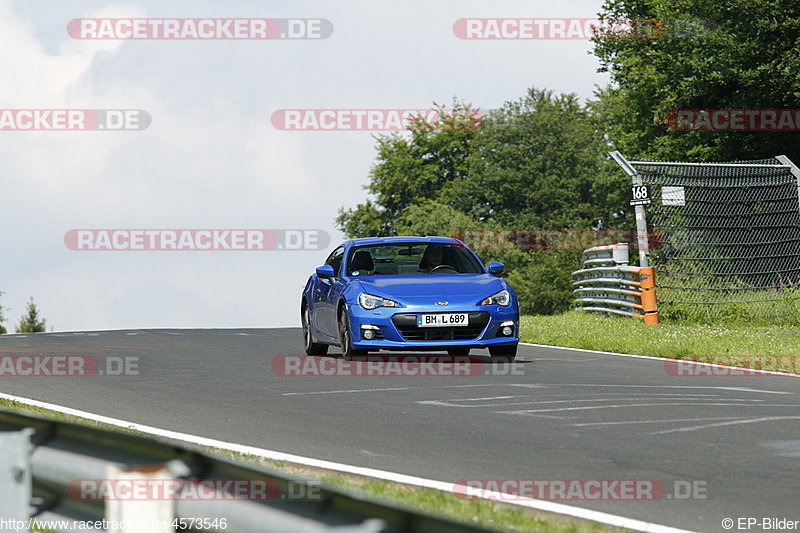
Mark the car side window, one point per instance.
(335, 260)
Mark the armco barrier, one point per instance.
(607, 284)
(44, 460)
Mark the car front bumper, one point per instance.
(396, 328)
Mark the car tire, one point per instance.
(458, 351)
(348, 352)
(505, 353)
(311, 347)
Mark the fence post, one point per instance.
(641, 218)
(15, 475)
(793, 169)
(647, 280)
(151, 512)
(728, 233)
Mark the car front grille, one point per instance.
(406, 324)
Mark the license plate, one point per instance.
(442, 320)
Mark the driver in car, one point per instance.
(432, 258)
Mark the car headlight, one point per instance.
(370, 301)
(499, 298)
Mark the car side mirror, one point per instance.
(496, 268)
(325, 271)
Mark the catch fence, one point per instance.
(723, 238)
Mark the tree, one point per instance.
(411, 169)
(536, 163)
(31, 322)
(737, 54)
(540, 162)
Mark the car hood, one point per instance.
(424, 287)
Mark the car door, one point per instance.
(325, 293)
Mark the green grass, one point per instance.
(63, 417)
(491, 515)
(738, 306)
(496, 516)
(737, 344)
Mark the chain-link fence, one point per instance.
(724, 239)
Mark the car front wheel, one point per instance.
(311, 347)
(348, 352)
(505, 353)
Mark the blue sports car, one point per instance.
(409, 293)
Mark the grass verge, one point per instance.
(765, 347)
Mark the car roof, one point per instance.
(398, 239)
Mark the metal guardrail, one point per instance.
(606, 283)
(44, 462)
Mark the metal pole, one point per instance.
(795, 172)
(793, 169)
(641, 219)
(15, 476)
(725, 165)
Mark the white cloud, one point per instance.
(211, 158)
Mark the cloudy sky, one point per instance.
(211, 157)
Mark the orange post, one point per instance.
(649, 301)
(647, 279)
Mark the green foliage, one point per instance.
(778, 307)
(431, 217)
(365, 220)
(31, 322)
(540, 162)
(535, 163)
(542, 279)
(737, 54)
(412, 169)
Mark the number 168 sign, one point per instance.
(640, 195)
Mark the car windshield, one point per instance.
(411, 259)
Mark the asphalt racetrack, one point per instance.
(721, 446)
